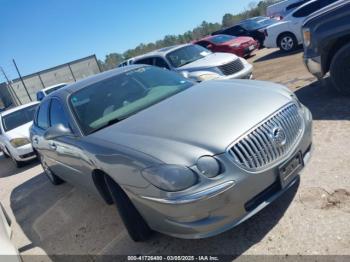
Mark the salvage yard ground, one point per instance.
(312, 218)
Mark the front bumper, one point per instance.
(236, 196)
(23, 153)
(314, 66)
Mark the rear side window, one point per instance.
(43, 115)
(57, 114)
(145, 61)
(236, 30)
(295, 5)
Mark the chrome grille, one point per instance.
(232, 67)
(270, 141)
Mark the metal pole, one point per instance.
(71, 71)
(41, 81)
(20, 77)
(12, 91)
(98, 64)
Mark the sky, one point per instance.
(40, 34)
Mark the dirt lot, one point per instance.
(312, 218)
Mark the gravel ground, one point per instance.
(310, 219)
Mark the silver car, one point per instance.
(188, 160)
(197, 63)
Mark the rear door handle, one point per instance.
(53, 146)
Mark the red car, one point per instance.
(242, 46)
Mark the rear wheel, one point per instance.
(287, 42)
(133, 221)
(55, 180)
(340, 70)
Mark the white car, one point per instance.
(8, 252)
(48, 90)
(282, 8)
(198, 63)
(14, 133)
(287, 34)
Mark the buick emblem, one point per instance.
(278, 136)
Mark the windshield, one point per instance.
(219, 39)
(18, 118)
(49, 91)
(109, 101)
(186, 55)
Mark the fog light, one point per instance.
(208, 166)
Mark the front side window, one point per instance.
(18, 118)
(186, 55)
(160, 62)
(57, 114)
(114, 99)
(43, 115)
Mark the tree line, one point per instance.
(254, 9)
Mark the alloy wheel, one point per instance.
(287, 43)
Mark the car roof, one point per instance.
(50, 87)
(14, 109)
(160, 52)
(92, 80)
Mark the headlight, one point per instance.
(235, 45)
(208, 166)
(296, 99)
(17, 142)
(170, 178)
(307, 36)
(208, 76)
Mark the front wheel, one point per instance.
(18, 164)
(287, 42)
(340, 70)
(135, 224)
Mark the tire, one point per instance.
(135, 224)
(55, 180)
(287, 42)
(18, 164)
(340, 70)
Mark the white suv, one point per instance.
(14, 133)
(287, 34)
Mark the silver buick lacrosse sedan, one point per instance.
(188, 160)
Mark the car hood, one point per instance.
(238, 40)
(212, 60)
(20, 132)
(202, 120)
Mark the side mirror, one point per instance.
(209, 46)
(57, 131)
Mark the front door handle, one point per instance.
(53, 146)
(35, 140)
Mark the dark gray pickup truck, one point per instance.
(326, 36)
